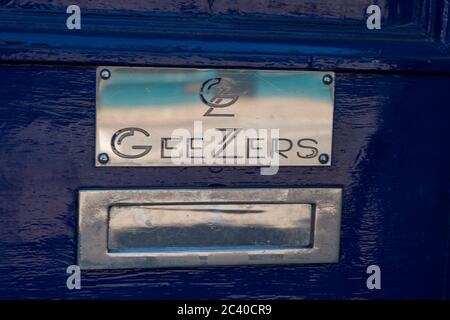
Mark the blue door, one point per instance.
(390, 130)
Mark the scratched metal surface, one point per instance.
(390, 157)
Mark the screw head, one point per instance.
(327, 79)
(105, 74)
(103, 158)
(324, 158)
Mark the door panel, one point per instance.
(390, 156)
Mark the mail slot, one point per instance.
(208, 226)
(170, 228)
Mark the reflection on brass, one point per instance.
(212, 226)
(213, 117)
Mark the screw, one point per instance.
(324, 158)
(105, 74)
(327, 79)
(103, 158)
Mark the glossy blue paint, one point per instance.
(325, 40)
(390, 140)
(394, 11)
(390, 156)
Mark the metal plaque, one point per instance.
(205, 227)
(213, 117)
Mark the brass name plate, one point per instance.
(195, 117)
